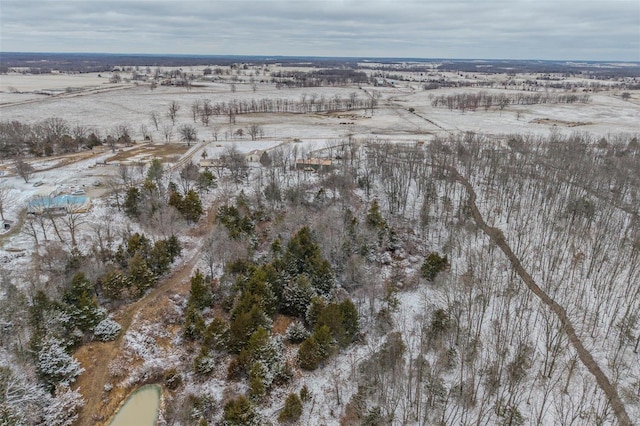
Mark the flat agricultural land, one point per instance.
(93, 102)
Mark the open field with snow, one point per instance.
(131, 105)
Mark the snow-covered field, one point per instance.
(132, 105)
(24, 83)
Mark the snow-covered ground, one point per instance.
(496, 290)
(132, 105)
(25, 83)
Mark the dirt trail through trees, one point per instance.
(585, 356)
(96, 357)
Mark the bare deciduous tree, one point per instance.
(111, 142)
(24, 169)
(196, 107)
(255, 131)
(5, 198)
(167, 131)
(155, 119)
(55, 129)
(172, 112)
(30, 229)
(209, 254)
(104, 238)
(164, 219)
(235, 161)
(79, 133)
(123, 134)
(117, 189)
(206, 112)
(144, 131)
(188, 134)
(188, 176)
(72, 221)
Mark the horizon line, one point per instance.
(316, 57)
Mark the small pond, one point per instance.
(140, 409)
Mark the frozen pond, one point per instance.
(140, 409)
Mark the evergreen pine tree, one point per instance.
(216, 336)
(114, 285)
(309, 354)
(258, 380)
(200, 294)
(155, 172)
(131, 200)
(83, 303)
(206, 181)
(350, 320)
(239, 412)
(55, 365)
(138, 243)
(192, 206)
(316, 349)
(160, 258)
(292, 409)
(303, 256)
(194, 325)
(174, 247)
(433, 265)
(297, 295)
(175, 199)
(374, 217)
(140, 276)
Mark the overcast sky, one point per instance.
(509, 29)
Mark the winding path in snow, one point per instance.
(496, 235)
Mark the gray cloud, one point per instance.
(519, 29)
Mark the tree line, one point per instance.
(53, 136)
(317, 78)
(486, 100)
(306, 104)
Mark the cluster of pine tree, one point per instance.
(59, 326)
(298, 282)
(151, 196)
(139, 264)
(189, 204)
(237, 219)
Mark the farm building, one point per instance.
(210, 162)
(60, 204)
(315, 164)
(254, 156)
